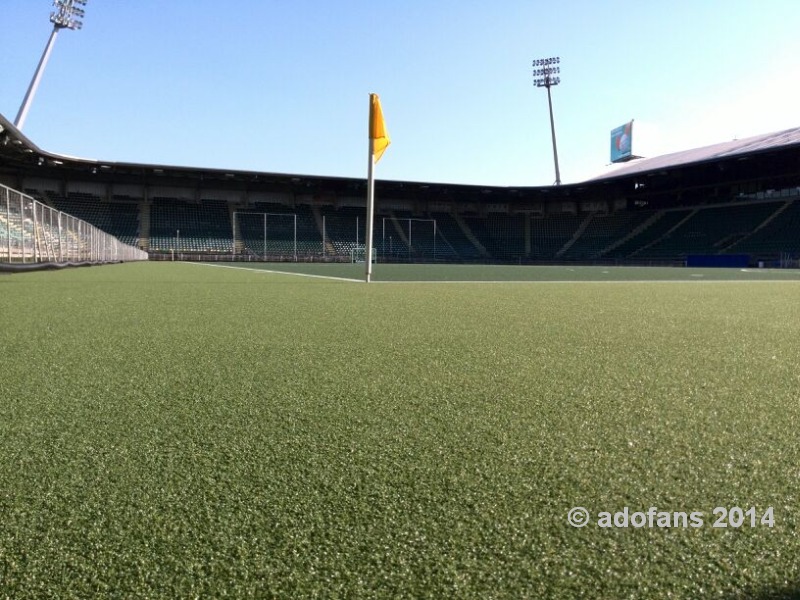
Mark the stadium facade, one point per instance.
(739, 198)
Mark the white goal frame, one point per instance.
(409, 220)
(358, 254)
(265, 216)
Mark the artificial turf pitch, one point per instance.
(177, 430)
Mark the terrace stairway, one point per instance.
(690, 214)
(469, 235)
(578, 232)
(144, 225)
(328, 248)
(318, 220)
(761, 225)
(633, 233)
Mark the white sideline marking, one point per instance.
(497, 281)
(257, 270)
(604, 281)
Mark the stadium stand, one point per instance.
(420, 237)
(737, 197)
(707, 230)
(202, 227)
(503, 235)
(551, 233)
(779, 235)
(601, 231)
(36, 234)
(118, 218)
(344, 229)
(455, 237)
(764, 229)
(664, 222)
(271, 229)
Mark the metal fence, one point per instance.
(32, 232)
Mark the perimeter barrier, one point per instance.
(34, 235)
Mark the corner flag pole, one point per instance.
(370, 207)
(378, 142)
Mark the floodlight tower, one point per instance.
(65, 16)
(545, 74)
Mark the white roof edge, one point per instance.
(766, 141)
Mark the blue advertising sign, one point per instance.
(621, 143)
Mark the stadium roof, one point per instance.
(749, 146)
(778, 155)
(18, 154)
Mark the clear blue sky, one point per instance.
(283, 86)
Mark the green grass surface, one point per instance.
(174, 430)
(495, 273)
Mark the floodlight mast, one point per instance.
(545, 74)
(66, 16)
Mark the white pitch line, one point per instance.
(573, 281)
(257, 270)
(498, 281)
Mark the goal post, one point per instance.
(358, 254)
(341, 234)
(409, 237)
(265, 234)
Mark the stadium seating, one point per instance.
(41, 231)
(778, 236)
(601, 231)
(454, 236)
(763, 228)
(190, 226)
(118, 218)
(345, 229)
(12, 232)
(708, 230)
(503, 235)
(551, 233)
(279, 231)
(421, 237)
(664, 222)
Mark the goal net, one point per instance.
(270, 236)
(358, 254)
(405, 238)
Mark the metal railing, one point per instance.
(32, 232)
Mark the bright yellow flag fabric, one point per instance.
(377, 128)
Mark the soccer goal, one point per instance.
(409, 238)
(358, 254)
(270, 236)
(788, 261)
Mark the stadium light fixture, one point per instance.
(546, 74)
(67, 15)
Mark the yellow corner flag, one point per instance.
(377, 128)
